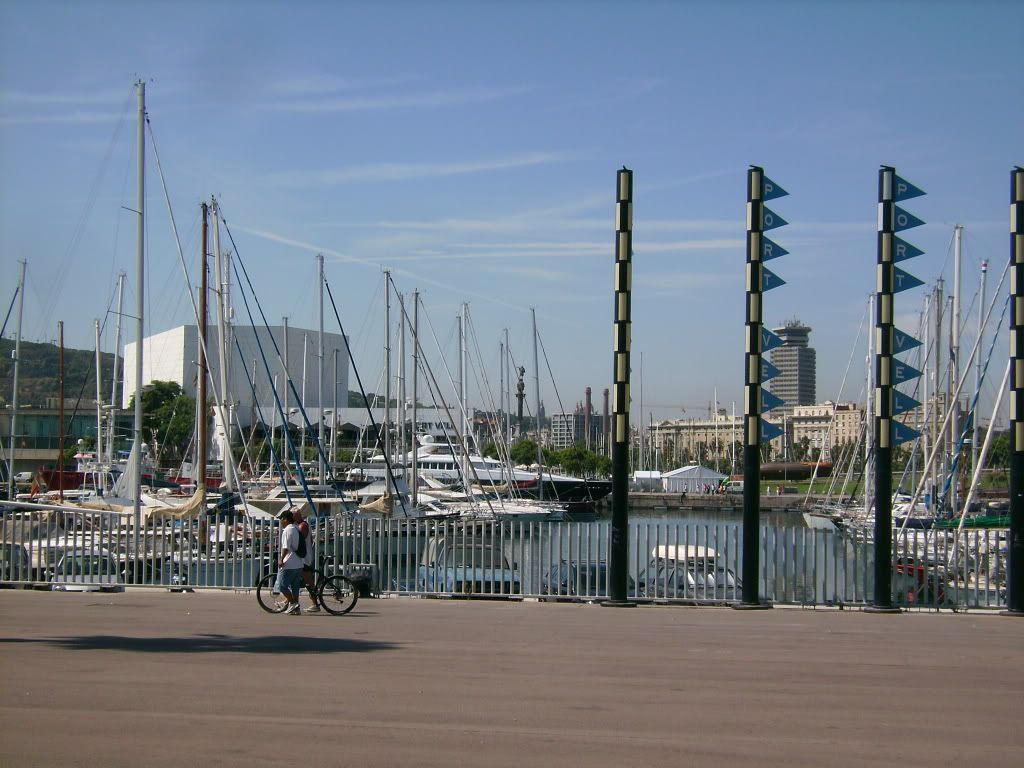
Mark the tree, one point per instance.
(524, 452)
(168, 418)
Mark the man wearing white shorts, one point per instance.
(289, 577)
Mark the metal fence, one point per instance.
(670, 561)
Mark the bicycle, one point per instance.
(335, 593)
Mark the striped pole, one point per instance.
(1015, 579)
(883, 389)
(619, 547)
(752, 390)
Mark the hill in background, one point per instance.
(38, 374)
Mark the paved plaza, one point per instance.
(151, 678)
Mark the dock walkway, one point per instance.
(159, 679)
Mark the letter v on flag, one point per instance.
(769, 340)
(901, 433)
(902, 342)
(769, 431)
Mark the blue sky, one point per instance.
(472, 149)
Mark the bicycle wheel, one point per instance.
(338, 595)
(269, 600)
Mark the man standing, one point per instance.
(289, 577)
(308, 573)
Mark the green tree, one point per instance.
(168, 418)
(999, 452)
(524, 452)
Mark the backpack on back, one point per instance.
(301, 550)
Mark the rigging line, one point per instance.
(484, 388)
(62, 270)
(955, 396)
(263, 425)
(839, 397)
(972, 409)
(9, 310)
(430, 374)
(266, 367)
(366, 402)
(184, 269)
(235, 263)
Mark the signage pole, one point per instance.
(1015, 577)
(619, 545)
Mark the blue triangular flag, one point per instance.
(769, 400)
(902, 220)
(903, 250)
(770, 280)
(902, 372)
(902, 403)
(769, 431)
(902, 342)
(904, 190)
(771, 220)
(771, 250)
(902, 280)
(768, 371)
(770, 190)
(769, 340)
(901, 433)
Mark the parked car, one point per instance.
(23, 477)
(87, 571)
(691, 572)
(586, 579)
(734, 486)
(14, 562)
(466, 565)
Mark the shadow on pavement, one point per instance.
(208, 644)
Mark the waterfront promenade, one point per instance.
(150, 678)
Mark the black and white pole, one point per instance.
(1015, 580)
(619, 548)
(757, 371)
(889, 280)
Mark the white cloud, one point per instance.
(424, 99)
(378, 172)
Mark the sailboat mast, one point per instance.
(415, 376)
(536, 392)
(223, 332)
(140, 284)
(203, 437)
(114, 405)
(387, 370)
(463, 406)
(926, 413)
(12, 488)
(978, 367)
(954, 369)
(320, 370)
(99, 400)
(60, 410)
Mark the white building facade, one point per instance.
(173, 356)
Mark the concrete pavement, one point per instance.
(207, 679)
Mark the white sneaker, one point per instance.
(294, 610)
(314, 608)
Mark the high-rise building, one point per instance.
(796, 383)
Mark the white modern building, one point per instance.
(173, 356)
